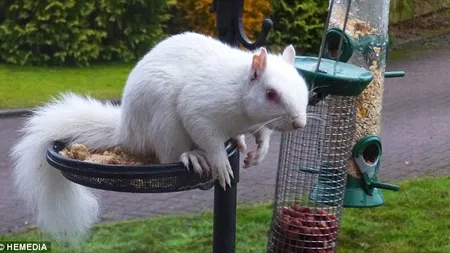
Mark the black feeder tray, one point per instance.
(158, 178)
(152, 178)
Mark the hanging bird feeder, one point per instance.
(365, 44)
(315, 172)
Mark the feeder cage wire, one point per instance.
(311, 177)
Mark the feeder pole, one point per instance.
(227, 13)
(224, 234)
(230, 31)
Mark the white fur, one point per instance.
(64, 209)
(192, 93)
(182, 101)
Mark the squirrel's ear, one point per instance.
(289, 54)
(259, 63)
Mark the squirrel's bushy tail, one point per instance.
(64, 209)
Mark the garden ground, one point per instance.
(412, 221)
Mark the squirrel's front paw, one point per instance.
(197, 159)
(255, 157)
(241, 145)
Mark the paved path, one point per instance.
(415, 135)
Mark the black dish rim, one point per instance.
(81, 172)
(78, 167)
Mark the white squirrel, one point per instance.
(182, 101)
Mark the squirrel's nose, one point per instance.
(298, 123)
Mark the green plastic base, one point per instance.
(327, 190)
(356, 197)
(325, 194)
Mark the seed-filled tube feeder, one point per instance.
(312, 178)
(364, 44)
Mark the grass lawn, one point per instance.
(31, 86)
(414, 220)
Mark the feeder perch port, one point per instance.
(365, 45)
(365, 192)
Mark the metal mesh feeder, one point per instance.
(312, 175)
(312, 167)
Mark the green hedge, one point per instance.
(299, 23)
(296, 22)
(72, 32)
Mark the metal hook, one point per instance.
(230, 26)
(262, 38)
(267, 24)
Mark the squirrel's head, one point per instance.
(276, 94)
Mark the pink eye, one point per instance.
(271, 94)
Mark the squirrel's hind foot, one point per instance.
(197, 159)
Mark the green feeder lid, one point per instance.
(333, 78)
